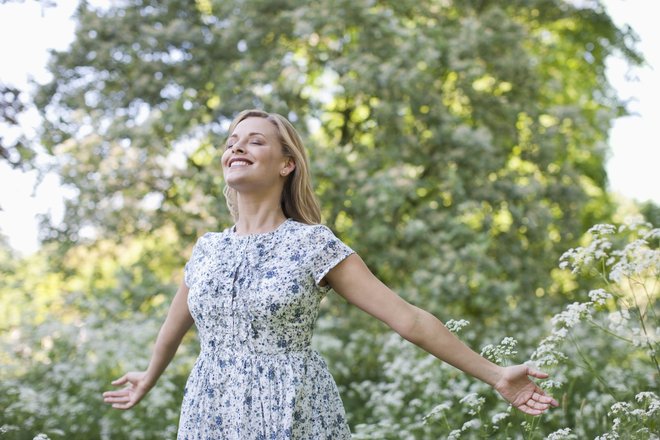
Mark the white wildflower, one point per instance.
(505, 349)
(471, 424)
(564, 433)
(552, 384)
(488, 351)
(634, 259)
(644, 395)
(602, 229)
(620, 407)
(653, 402)
(437, 411)
(497, 418)
(456, 326)
(599, 297)
(653, 234)
(547, 353)
(474, 402)
(570, 257)
(617, 273)
(572, 315)
(634, 223)
(8, 428)
(455, 434)
(618, 318)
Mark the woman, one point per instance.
(253, 292)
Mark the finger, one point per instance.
(122, 405)
(119, 399)
(541, 397)
(553, 401)
(537, 405)
(122, 380)
(119, 393)
(536, 373)
(531, 411)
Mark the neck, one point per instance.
(258, 214)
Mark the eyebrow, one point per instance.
(249, 134)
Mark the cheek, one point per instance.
(223, 158)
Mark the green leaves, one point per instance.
(457, 146)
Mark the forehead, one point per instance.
(255, 125)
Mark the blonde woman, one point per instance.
(253, 291)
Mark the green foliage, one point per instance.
(70, 331)
(15, 151)
(54, 374)
(457, 146)
(602, 354)
(478, 125)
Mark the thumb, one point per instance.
(122, 380)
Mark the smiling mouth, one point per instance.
(239, 163)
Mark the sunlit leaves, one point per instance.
(457, 146)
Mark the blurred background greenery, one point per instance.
(459, 147)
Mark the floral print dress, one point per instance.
(255, 299)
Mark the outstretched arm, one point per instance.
(354, 281)
(177, 323)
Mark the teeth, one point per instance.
(239, 163)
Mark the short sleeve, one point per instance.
(328, 252)
(191, 267)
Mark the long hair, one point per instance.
(298, 201)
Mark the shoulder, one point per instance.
(307, 228)
(211, 239)
(318, 237)
(310, 231)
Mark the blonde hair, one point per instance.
(298, 201)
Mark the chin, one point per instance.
(239, 184)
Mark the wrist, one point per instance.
(494, 375)
(149, 380)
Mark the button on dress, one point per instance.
(255, 300)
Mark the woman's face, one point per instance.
(253, 158)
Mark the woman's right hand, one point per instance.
(138, 383)
(135, 389)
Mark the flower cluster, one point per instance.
(597, 249)
(638, 419)
(620, 318)
(562, 434)
(506, 349)
(456, 326)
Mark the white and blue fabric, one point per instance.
(255, 299)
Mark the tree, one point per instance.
(478, 125)
(458, 146)
(14, 150)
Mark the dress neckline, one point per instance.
(232, 231)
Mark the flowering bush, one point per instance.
(54, 373)
(601, 352)
(600, 349)
(609, 341)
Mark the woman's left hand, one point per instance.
(519, 390)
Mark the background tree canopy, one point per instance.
(457, 146)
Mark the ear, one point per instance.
(288, 168)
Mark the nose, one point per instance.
(237, 148)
